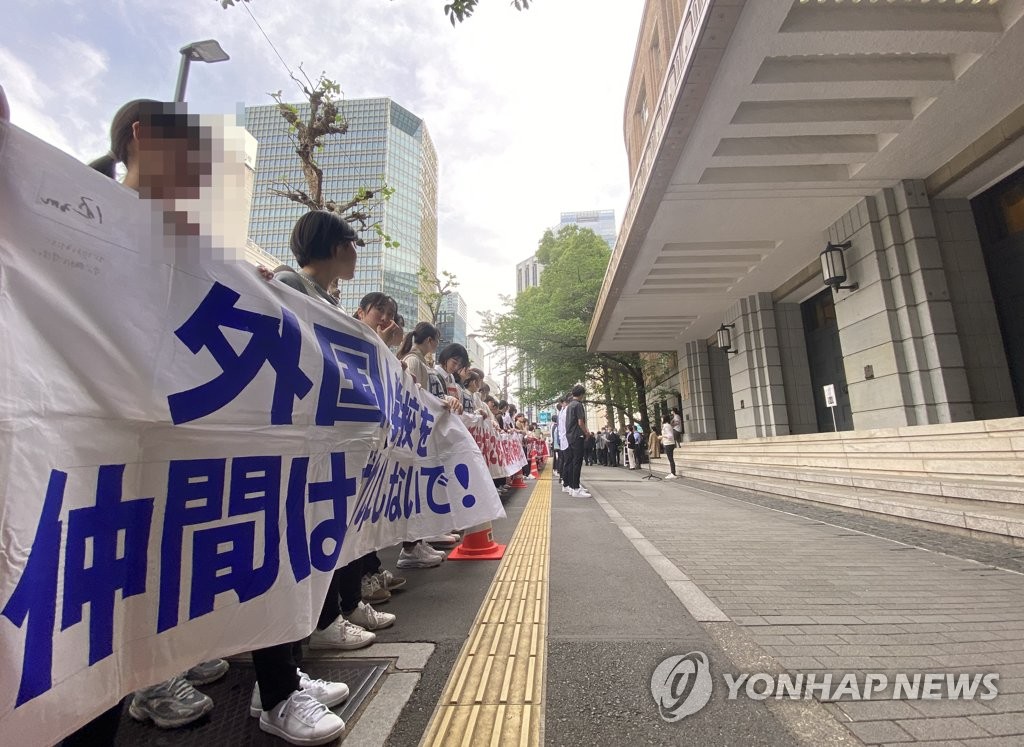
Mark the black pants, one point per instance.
(613, 456)
(371, 564)
(564, 465)
(575, 463)
(670, 454)
(556, 460)
(277, 672)
(344, 593)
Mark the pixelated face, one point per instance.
(174, 163)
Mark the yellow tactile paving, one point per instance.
(495, 693)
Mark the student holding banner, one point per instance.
(167, 156)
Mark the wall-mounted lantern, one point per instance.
(833, 266)
(725, 338)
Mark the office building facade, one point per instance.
(452, 320)
(385, 143)
(601, 222)
(528, 274)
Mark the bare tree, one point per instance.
(307, 134)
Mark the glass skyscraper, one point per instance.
(384, 143)
(452, 321)
(601, 222)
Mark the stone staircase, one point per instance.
(965, 477)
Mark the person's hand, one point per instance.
(391, 334)
(451, 403)
(264, 272)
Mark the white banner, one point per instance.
(502, 451)
(187, 451)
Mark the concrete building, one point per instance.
(528, 274)
(601, 222)
(452, 321)
(758, 135)
(383, 139)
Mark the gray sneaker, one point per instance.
(206, 672)
(170, 704)
(373, 592)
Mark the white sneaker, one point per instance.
(566, 489)
(302, 719)
(443, 540)
(343, 635)
(368, 618)
(580, 493)
(328, 693)
(436, 551)
(671, 477)
(418, 557)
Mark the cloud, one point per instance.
(525, 109)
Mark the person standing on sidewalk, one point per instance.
(677, 425)
(668, 445)
(556, 443)
(576, 433)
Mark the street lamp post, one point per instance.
(200, 51)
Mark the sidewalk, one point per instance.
(819, 597)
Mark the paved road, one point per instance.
(820, 597)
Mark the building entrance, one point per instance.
(825, 358)
(999, 216)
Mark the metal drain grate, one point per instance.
(229, 723)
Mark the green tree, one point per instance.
(547, 326)
(433, 289)
(457, 10)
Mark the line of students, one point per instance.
(167, 156)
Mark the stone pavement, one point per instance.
(821, 597)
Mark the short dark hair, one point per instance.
(377, 300)
(453, 350)
(315, 235)
(579, 390)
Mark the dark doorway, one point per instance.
(825, 358)
(721, 392)
(999, 216)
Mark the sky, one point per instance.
(525, 108)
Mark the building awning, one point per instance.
(775, 119)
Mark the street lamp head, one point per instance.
(208, 50)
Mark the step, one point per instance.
(1001, 521)
(998, 491)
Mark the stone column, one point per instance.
(970, 293)
(902, 356)
(698, 404)
(758, 391)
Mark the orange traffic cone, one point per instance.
(533, 467)
(478, 545)
(517, 481)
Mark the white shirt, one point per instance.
(668, 437)
(563, 440)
